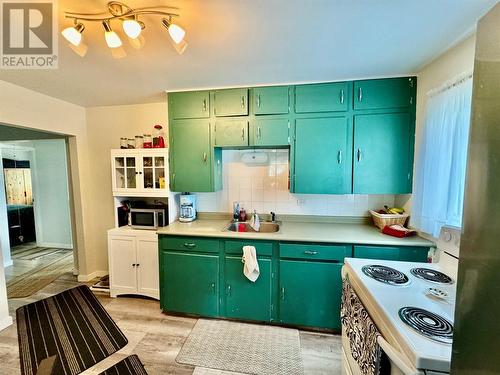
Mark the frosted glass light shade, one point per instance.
(112, 39)
(132, 28)
(73, 34)
(176, 32)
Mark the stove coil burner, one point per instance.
(428, 324)
(385, 274)
(431, 275)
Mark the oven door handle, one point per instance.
(395, 357)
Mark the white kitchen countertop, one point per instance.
(296, 231)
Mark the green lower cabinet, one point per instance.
(246, 299)
(403, 253)
(310, 293)
(189, 283)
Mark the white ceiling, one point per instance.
(253, 42)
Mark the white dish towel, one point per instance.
(250, 265)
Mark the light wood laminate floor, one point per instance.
(157, 338)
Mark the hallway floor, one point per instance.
(157, 338)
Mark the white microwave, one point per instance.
(148, 218)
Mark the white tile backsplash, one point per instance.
(264, 188)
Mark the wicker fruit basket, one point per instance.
(381, 220)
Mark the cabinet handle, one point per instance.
(339, 157)
(133, 265)
(212, 286)
(204, 105)
(283, 293)
(258, 100)
(342, 96)
(229, 290)
(360, 156)
(138, 265)
(189, 245)
(310, 252)
(205, 157)
(360, 94)
(242, 102)
(259, 133)
(243, 133)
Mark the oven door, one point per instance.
(144, 219)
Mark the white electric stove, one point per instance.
(412, 305)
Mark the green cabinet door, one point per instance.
(310, 293)
(324, 97)
(270, 132)
(382, 156)
(403, 253)
(322, 163)
(189, 283)
(191, 156)
(245, 299)
(194, 104)
(231, 102)
(230, 133)
(383, 93)
(271, 100)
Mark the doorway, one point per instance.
(35, 182)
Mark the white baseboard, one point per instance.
(55, 245)
(91, 276)
(5, 322)
(8, 263)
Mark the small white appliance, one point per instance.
(187, 208)
(412, 304)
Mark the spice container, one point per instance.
(147, 141)
(131, 143)
(123, 142)
(158, 137)
(139, 141)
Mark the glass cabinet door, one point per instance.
(147, 172)
(131, 181)
(153, 168)
(160, 172)
(120, 172)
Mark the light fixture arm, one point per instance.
(119, 10)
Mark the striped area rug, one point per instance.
(35, 253)
(31, 282)
(128, 366)
(72, 325)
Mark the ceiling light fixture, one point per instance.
(131, 26)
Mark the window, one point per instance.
(442, 158)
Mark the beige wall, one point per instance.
(105, 126)
(455, 61)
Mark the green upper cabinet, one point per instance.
(270, 132)
(195, 166)
(310, 293)
(231, 133)
(324, 97)
(231, 102)
(185, 105)
(323, 148)
(271, 100)
(382, 154)
(190, 283)
(383, 93)
(246, 299)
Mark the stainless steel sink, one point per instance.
(265, 227)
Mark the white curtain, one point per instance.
(442, 158)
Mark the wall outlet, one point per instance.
(301, 202)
